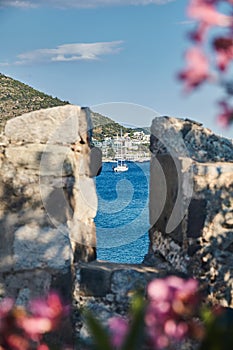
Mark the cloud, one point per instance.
(69, 52)
(18, 3)
(77, 3)
(4, 64)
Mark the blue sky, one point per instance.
(94, 52)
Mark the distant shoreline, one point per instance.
(144, 160)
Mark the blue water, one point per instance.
(122, 220)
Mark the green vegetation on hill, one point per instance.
(106, 127)
(17, 98)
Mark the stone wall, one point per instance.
(48, 203)
(191, 203)
(47, 200)
(106, 289)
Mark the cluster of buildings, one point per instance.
(132, 146)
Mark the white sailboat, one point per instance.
(121, 166)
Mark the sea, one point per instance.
(122, 220)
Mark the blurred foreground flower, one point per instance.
(207, 16)
(119, 328)
(171, 313)
(199, 59)
(224, 51)
(160, 320)
(171, 305)
(225, 117)
(24, 328)
(197, 70)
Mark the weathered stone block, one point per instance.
(201, 241)
(95, 280)
(59, 125)
(45, 192)
(41, 247)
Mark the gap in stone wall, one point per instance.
(122, 220)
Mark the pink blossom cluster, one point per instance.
(23, 329)
(171, 304)
(206, 14)
(225, 117)
(119, 328)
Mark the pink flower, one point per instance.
(45, 315)
(170, 301)
(199, 33)
(225, 118)
(165, 291)
(51, 307)
(188, 286)
(42, 347)
(17, 342)
(6, 319)
(206, 12)
(150, 317)
(176, 330)
(224, 49)
(118, 327)
(187, 290)
(207, 16)
(197, 70)
(5, 306)
(22, 329)
(35, 326)
(158, 290)
(161, 342)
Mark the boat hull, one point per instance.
(120, 169)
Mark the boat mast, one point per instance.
(121, 148)
(117, 155)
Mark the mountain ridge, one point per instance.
(17, 98)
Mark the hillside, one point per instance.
(17, 98)
(106, 127)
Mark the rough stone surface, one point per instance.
(191, 201)
(106, 288)
(45, 248)
(47, 204)
(57, 125)
(185, 137)
(47, 200)
(114, 299)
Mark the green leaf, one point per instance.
(135, 337)
(100, 335)
(219, 330)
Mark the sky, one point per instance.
(119, 57)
